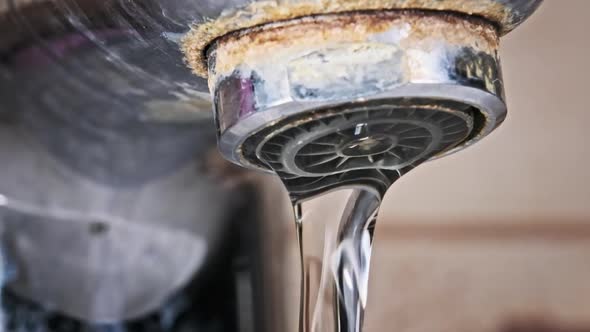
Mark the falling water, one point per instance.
(356, 154)
(335, 275)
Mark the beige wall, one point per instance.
(536, 166)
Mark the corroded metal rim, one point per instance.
(272, 73)
(506, 14)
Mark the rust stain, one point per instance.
(260, 13)
(281, 40)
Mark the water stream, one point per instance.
(356, 153)
(335, 255)
(335, 268)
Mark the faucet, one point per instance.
(110, 181)
(289, 78)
